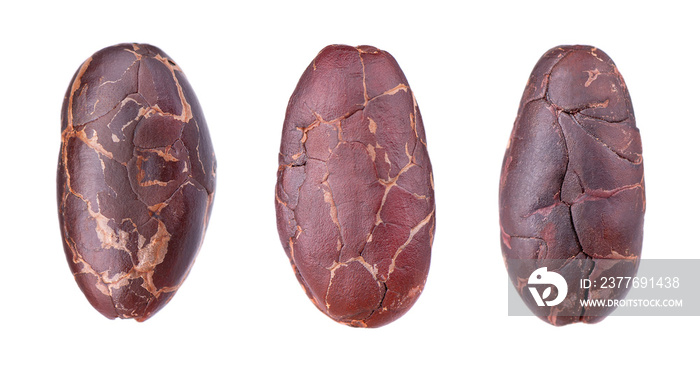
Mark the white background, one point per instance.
(241, 309)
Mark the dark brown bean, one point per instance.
(354, 196)
(136, 178)
(572, 182)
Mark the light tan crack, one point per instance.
(412, 233)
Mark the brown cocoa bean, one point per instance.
(572, 181)
(136, 178)
(354, 195)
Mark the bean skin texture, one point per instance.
(572, 180)
(354, 196)
(136, 179)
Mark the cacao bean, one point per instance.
(136, 178)
(572, 180)
(354, 195)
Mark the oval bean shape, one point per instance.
(354, 195)
(136, 178)
(572, 181)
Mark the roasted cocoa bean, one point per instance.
(354, 195)
(136, 177)
(572, 181)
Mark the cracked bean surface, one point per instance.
(136, 178)
(572, 180)
(354, 195)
